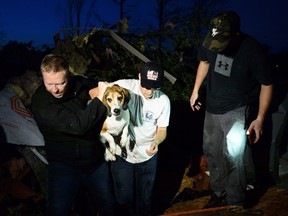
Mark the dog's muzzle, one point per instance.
(116, 111)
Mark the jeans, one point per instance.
(64, 182)
(133, 184)
(224, 146)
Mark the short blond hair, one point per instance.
(54, 63)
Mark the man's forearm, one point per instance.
(160, 135)
(265, 100)
(201, 74)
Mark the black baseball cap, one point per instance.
(151, 75)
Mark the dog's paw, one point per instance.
(112, 146)
(109, 156)
(124, 140)
(113, 150)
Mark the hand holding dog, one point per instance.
(98, 91)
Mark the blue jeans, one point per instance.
(133, 184)
(64, 182)
(224, 146)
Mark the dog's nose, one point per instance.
(117, 111)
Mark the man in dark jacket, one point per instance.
(70, 123)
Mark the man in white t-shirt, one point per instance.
(134, 174)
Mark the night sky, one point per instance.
(39, 20)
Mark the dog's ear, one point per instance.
(109, 113)
(104, 100)
(127, 98)
(105, 95)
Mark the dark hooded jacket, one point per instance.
(71, 125)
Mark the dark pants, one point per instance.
(64, 182)
(133, 184)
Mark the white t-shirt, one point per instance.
(146, 115)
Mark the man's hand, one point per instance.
(255, 131)
(152, 150)
(94, 92)
(98, 91)
(195, 105)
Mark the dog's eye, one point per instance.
(109, 99)
(120, 98)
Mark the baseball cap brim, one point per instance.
(217, 43)
(150, 84)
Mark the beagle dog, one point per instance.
(114, 133)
